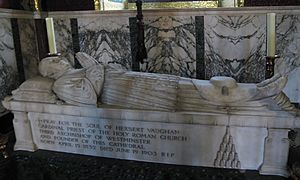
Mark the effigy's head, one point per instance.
(54, 67)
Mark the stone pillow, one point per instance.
(38, 89)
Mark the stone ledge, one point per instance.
(180, 12)
(9, 13)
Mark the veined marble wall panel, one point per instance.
(292, 88)
(107, 39)
(288, 47)
(235, 46)
(63, 37)
(171, 45)
(8, 66)
(288, 39)
(29, 47)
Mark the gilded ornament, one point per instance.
(37, 5)
(191, 4)
(97, 5)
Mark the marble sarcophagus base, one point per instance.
(199, 139)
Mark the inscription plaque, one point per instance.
(170, 143)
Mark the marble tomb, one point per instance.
(107, 111)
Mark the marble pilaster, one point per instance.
(25, 139)
(276, 153)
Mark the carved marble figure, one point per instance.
(74, 86)
(96, 84)
(236, 125)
